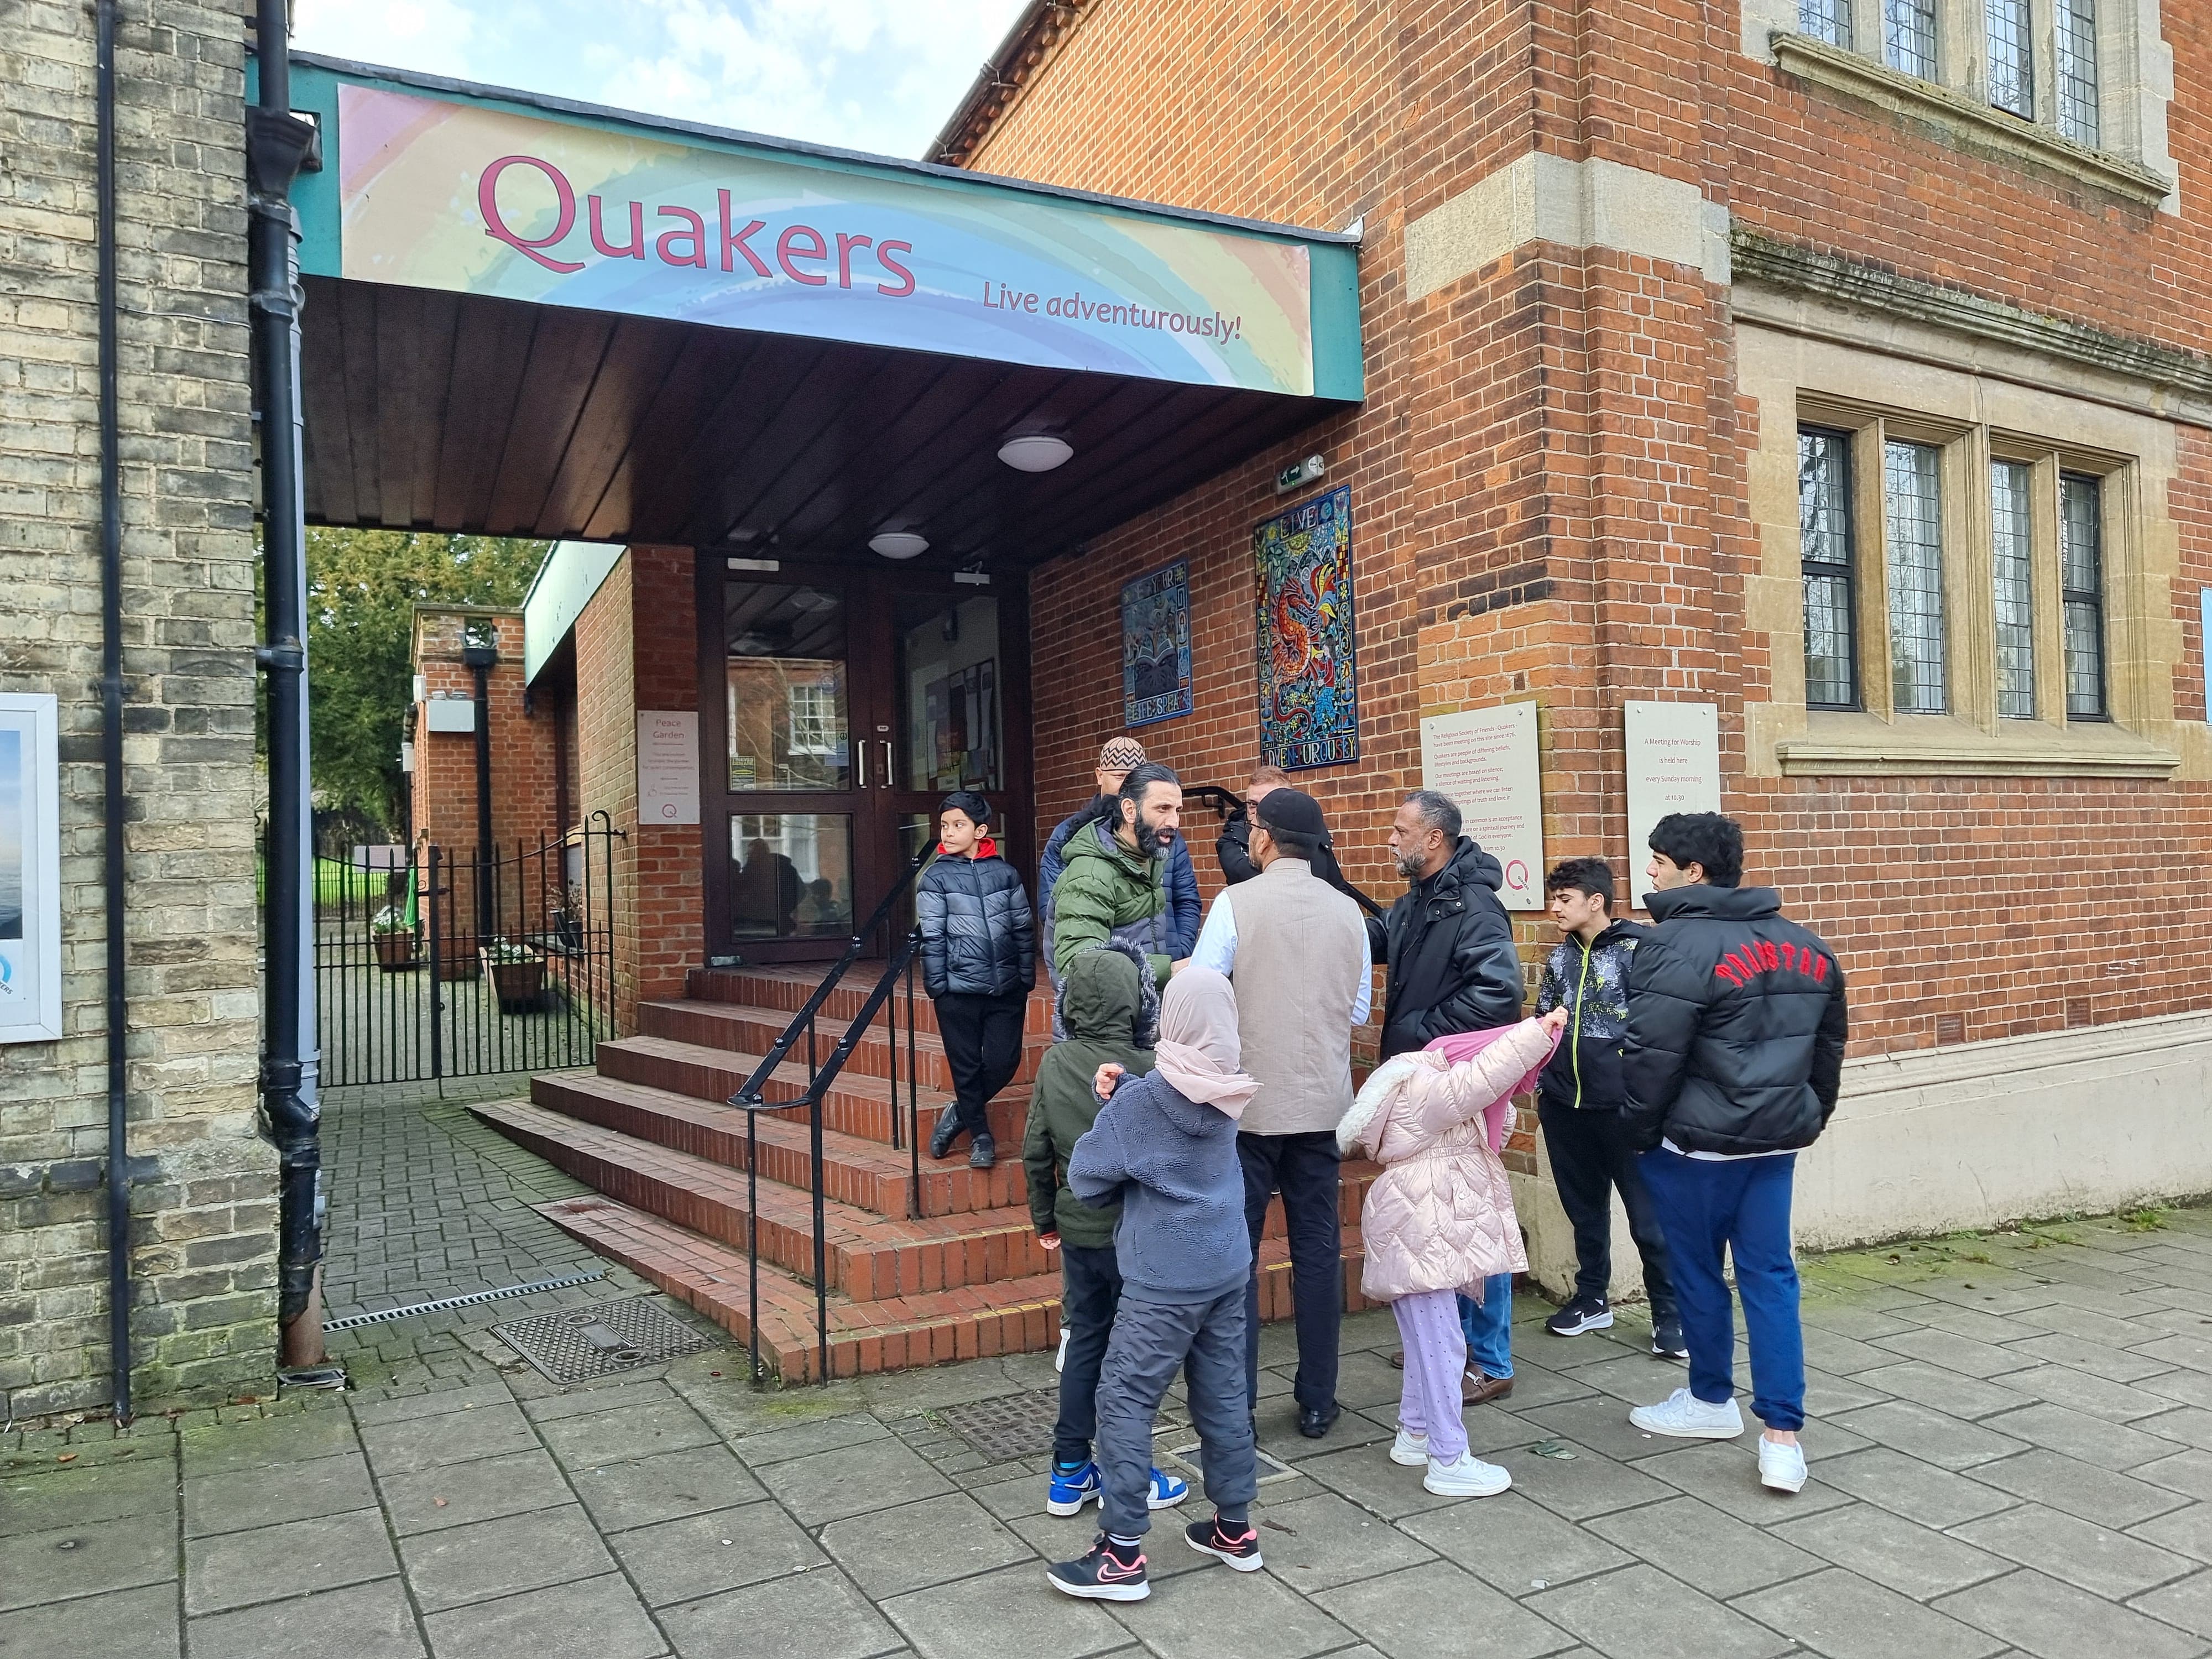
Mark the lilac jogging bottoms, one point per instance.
(1436, 1359)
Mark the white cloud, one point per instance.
(873, 74)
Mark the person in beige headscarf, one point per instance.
(1165, 1147)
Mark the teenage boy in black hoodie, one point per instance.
(1579, 1103)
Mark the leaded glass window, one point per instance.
(1826, 20)
(1824, 518)
(2077, 69)
(2012, 523)
(1908, 28)
(1913, 498)
(2012, 65)
(2081, 591)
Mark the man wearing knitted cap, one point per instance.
(1295, 952)
(1116, 760)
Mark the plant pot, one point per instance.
(394, 951)
(519, 985)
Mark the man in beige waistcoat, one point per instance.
(1295, 952)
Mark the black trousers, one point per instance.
(1089, 1291)
(982, 1038)
(1304, 1170)
(1591, 1156)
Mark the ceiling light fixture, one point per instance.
(1035, 452)
(898, 544)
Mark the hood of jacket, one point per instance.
(1468, 867)
(1110, 996)
(1721, 903)
(1097, 841)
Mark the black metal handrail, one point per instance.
(811, 1101)
(1230, 805)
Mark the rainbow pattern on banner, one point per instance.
(435, 193)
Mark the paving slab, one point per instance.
(2188, 1604)
(1725, 1475)
(813, 1615)
(2109, 1563)
(639, 1492)
(1512, 1543)
(1948, 1350)
(237, 1569)
(2091, 1392)
(2189, 1531)
(262, 1442)
(1930, 1436)
(2078, 1488)
(597, 1437)
(2078, 1434)
(1581, 1485)
(1953, 1393)
(486, 1558)
(829, 1485)
(1439, 1611)
(1705, 1548)
(1844, 1616)
(434, 1402)
(1919, 1491)
(2189, 1471)
(1007, 1612)
(140, 1623)
(241, 1499)
(2052, 1620)
(606, 1394)
(1912, 1559)
(803, 1439)
(359, 1621)
(483, 1489)
(1641, 1613)
(697, 1555)
(435, 1443)
(1368, 1476)
(590, 1619)
(87, 1497)
(888, 1552)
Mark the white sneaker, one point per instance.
(1781, 1466)
(1469, 1478)
(1683, 1416)
(1410, 1449)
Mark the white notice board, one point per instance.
(1485, 760)
(667, 767)
(30, 868)
(1674, 756)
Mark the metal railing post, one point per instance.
(752, 1237)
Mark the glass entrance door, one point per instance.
(843, 703)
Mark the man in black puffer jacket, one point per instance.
(1734, 1058)
(1449, 942)
(978, 961)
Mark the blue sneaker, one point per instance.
(1072, 1488)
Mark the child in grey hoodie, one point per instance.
(1165, 1148)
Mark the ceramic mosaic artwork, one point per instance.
(1309, 709)
(1156, 646)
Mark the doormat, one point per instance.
(577, 1344)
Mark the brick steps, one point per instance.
(928, 1328)
(868, 1173)
(786, 990)
(742, 1029)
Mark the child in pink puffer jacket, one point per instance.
(1439, 1221)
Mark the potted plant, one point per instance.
(393, 937)
(567, 919)
(518, 975)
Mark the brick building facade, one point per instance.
(1617, 259)
(202, 1249)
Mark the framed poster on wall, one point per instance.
(1308, 694)
(1156, 645)
(30, 870)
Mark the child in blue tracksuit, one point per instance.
(1165, 1148)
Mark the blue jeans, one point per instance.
(1741, 1205)
(1489, 1326)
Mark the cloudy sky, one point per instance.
(872, 75)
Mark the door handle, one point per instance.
(886, 741)
(861, 755)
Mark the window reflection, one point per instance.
(789, 728)
(948, 683)
(791, 876)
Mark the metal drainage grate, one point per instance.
(579, 1344)
(1011, 1426)
(445, 1303)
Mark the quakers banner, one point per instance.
(476, 199)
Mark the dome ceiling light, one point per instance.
(1035, 452)
(898, 544)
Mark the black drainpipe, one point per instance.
(111, 734)
(480, 661)
(278, 144)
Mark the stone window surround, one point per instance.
(1971, 417)
(2135, 77)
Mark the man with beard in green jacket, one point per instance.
(1111, 1010)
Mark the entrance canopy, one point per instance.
(530, 316)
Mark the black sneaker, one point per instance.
(1238, 1544)
(946, 1132)
(984, 1154)
(1110, 1572)
(1667, 1340)
(1584, 1313)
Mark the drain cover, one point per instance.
(1192, 1458)
(1013, 1425)
(577, 1344)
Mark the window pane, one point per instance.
(786, 685)
(1914, 499)
(2077, 70)
(1908, 28)
(2013, 533)
(1826, 20)
(791, 876)
(1824, 521)
(2011, 79)
(2082, 586)
(948, 681)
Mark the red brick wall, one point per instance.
(1549, 495)
(523, 741)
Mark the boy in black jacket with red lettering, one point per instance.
(1734, 1059)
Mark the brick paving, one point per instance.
(2011, 1445)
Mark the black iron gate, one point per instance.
(434, 961)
